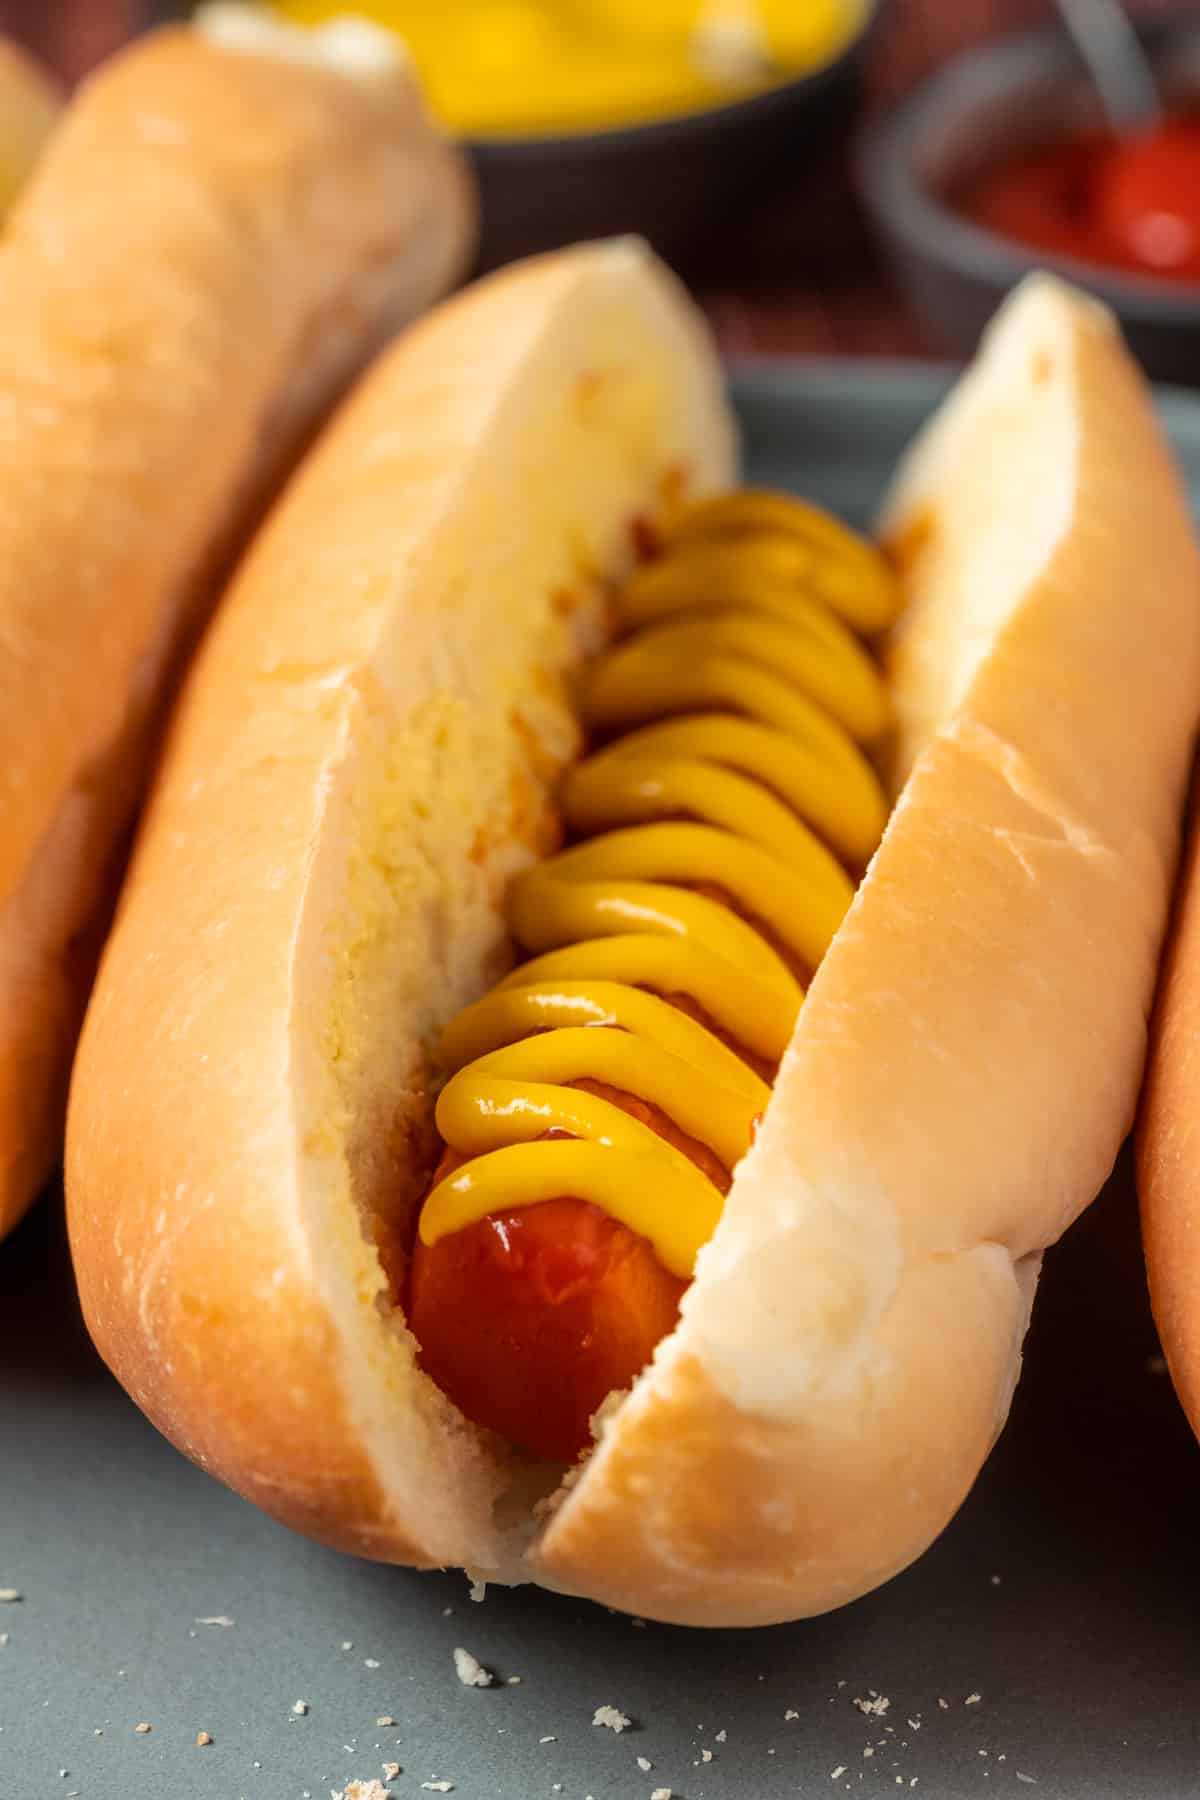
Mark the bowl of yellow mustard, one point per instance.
(588, 117)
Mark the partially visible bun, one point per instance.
(967, 1061)
(30, 103)
(211, 247)
(1168, 1144)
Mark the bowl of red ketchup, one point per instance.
(1002, 162)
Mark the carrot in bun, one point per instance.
(533, 766)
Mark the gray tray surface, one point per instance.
(1046, 1646)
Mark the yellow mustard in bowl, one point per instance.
(527, 67)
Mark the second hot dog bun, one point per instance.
(30, 103)
(360, 761)
(1169, 1145)
(213, 243)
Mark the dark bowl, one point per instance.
(678, 181)
(1003, 96)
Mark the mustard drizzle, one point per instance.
(743, 701)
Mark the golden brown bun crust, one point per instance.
(30, 102)
(211, 246)
(1169, 1141)
(967, 1060)
(317, 889)
(329, 819)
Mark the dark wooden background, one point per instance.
(803, 274)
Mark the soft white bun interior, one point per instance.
(363, 757)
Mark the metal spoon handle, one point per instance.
(1109, 46)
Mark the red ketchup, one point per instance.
(1130, 203)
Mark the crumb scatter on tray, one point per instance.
(875, 1705)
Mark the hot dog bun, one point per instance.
(356, 768)
(214, 242)
(29, 106)
(1168, 1147)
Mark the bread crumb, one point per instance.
(721, 1736)
(706, 1756)
(875, 1707)
(370, 1662)
(944, 1704)
(361, 1790)
(391, 1770)
(611, 1717)
(869, 1751)
(470, 1670)
(513, 1681)
(385, 1719)
(791, 1713)
(202, 1739)
(972, 1699)
(299, 1707)
(221, 1619)
(915, 1724)
(438, 1787)
(478, 1591)
(547, 1740)
(661, 1794)
(3, 1639)
(644, 1764)
(347, 1643)
(1030, 1780)
(10, 1596)
(143, 1728)
(836, 1774)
